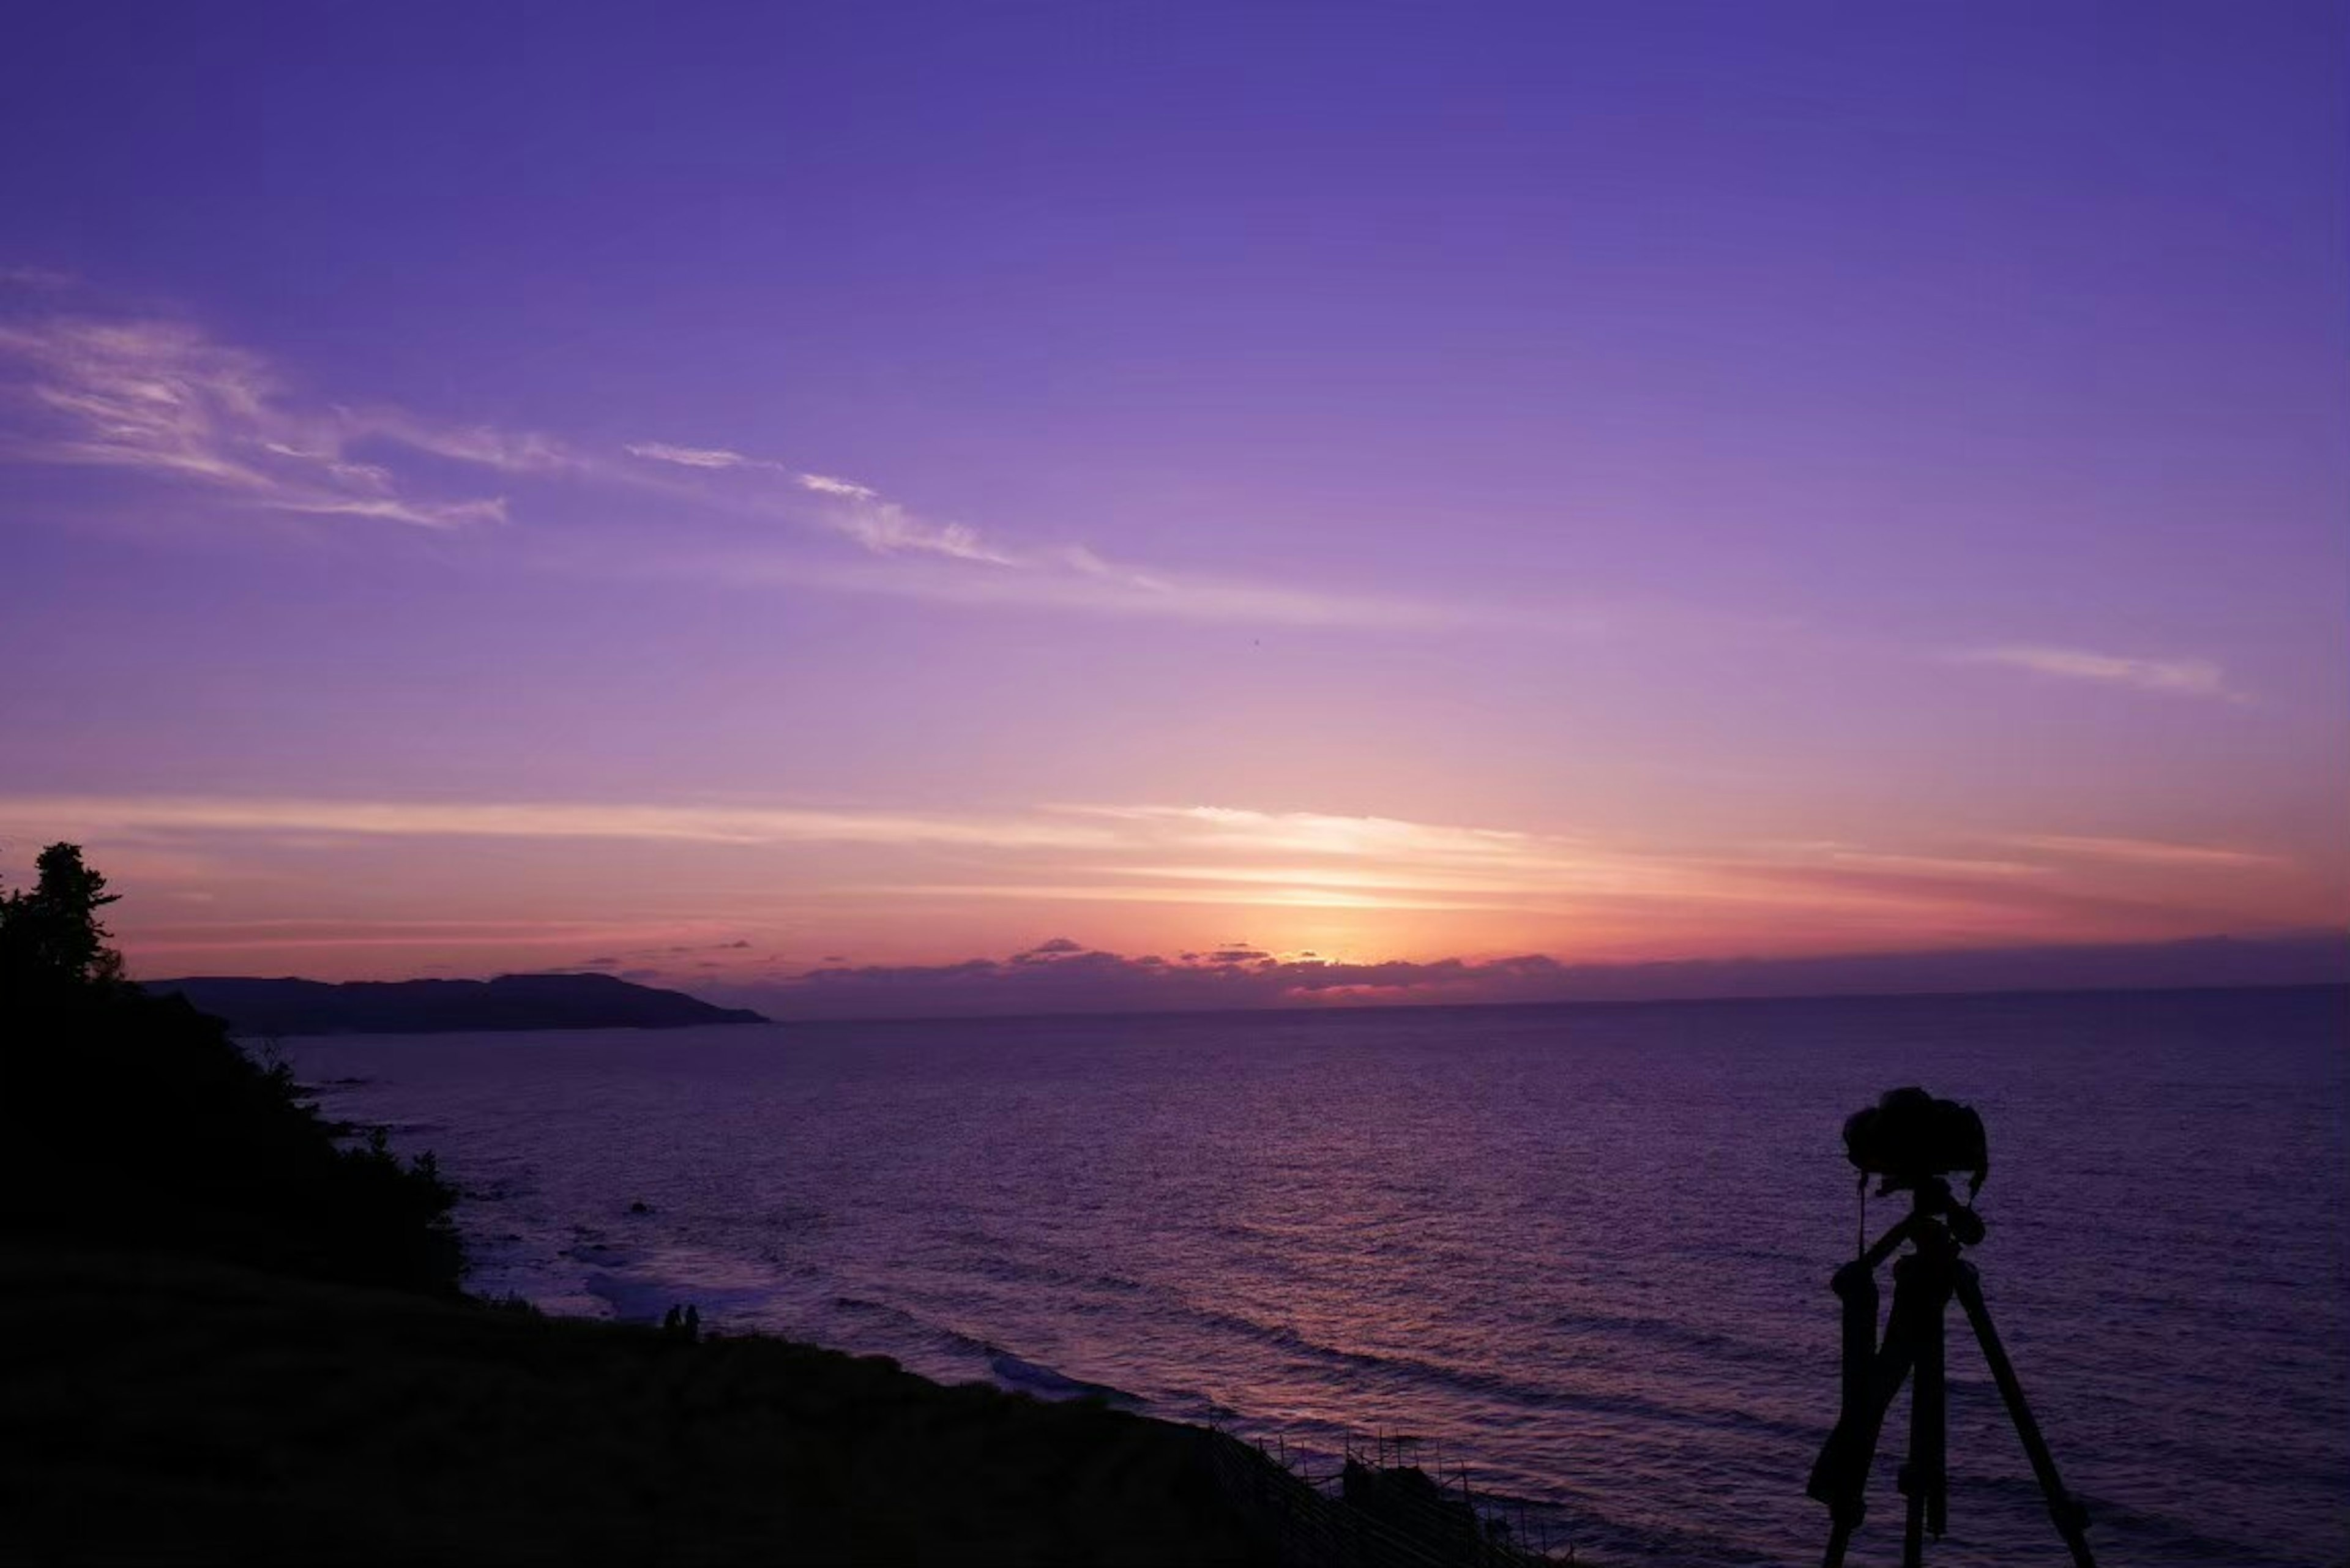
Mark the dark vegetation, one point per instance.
(230, 1332)
(437, 1006)
(158, 1408)
(134, 1120)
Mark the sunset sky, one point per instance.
(719, 494)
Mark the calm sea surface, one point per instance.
(1581, 1252)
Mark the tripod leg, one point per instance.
(1922, 1479)
(2071, 1518)
(1855, 1287)
(1840, 1475)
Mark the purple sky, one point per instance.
(728, 492)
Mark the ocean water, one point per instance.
(1581, 1252)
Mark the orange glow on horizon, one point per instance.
(740, 895)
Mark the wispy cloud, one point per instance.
(885, 528)
(917, 557)
(1383, 895)
(294, 934)
(1037, 583)
(806, 864)
(1071, 576)
(856, 512)
(719, 459)
(2146, 851)
(2176, 676)
(1190, 855)
(1320, 833)
(524, 453)
(161, 398)
(692, 456)
(825, 484)
(695, 824)
(1831, 853)
(1129, 845)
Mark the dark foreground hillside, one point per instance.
(169, 1409)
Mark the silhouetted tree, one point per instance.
(50, 936)
(127, 1119)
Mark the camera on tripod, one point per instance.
(1914, 1142)
(1910, 1136)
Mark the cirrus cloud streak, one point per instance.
(803, 865)
(158, 396)
(2171, 677)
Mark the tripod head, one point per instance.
(1932, 1206)
(1908, 1137)
(1912, 1142)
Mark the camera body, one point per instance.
(1909, 1135)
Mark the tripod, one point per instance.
(1923, 1283)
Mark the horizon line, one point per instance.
(1324, 1010)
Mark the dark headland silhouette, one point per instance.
(253, 1006)
(234, 1331)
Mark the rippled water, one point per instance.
(1581, 1251)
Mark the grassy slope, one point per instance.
(168, 1409)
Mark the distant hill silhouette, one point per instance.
(444, 1006)
(1062, 976)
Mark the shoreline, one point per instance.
(172, 1406)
